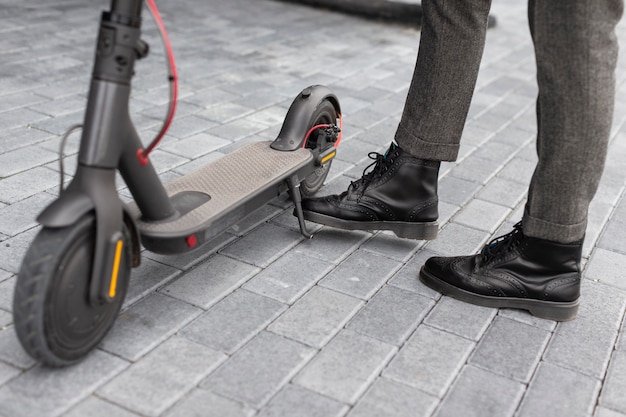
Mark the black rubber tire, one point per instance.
(54, 321)
(325, 113)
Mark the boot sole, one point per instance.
(550, 310)
(407, 230)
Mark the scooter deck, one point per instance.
(228, 184)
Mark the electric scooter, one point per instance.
(75, 274)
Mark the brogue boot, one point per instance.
(514, 271)
(397, 192)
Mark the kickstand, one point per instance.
(296, 197)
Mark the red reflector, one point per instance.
(143, 160)
(192, 241)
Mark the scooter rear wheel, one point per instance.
(325, 113)
(54, 320)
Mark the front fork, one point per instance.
(109, 142)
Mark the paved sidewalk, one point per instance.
(265, 323)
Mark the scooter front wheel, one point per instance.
(54, 320)
(325, 113)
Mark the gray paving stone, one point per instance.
(156, 382)
(57, 125)
(23, 159)
(49, 391)
(460, 318)
(511, 349)
(12, 250)
(361, 274)
(211, 97)
(456, 191)
(392, 399)
(20, 117)
(6, 318)
(6, 293)
(211, 281)
(346, 366)
(20, 100)
(607, 267)
(476, 135)
(61, 106)
(270, 116)
(225, 112)
(263, 245)
(237, 129)
(7, 372)
(63, 88)
(190, 125)
(259, 370)
(196, 145)
(612, 396)
(496, 151)
(11, 350)
(621, 341)
(316, 317)
(202, 403)
(388, 244)
(456, 239)
(149, 276)
(482, 215)
(289, 277)
(27, 183)
(391, 315)
(525, 317)
(430, 360)
(97, 407)
(297, 401)
(605, 412)
(236, 319)
(354, 150)
(558, 392)
(146, 324)
(21, 216)
(477, 393)
(407, 277)
(585, 344)
(599, 213)
(478, 170)
(503, 192)
(332, 245)
(519, 170)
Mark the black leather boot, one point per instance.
(514, 271)
(398, 194)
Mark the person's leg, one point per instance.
(400, 192)
(451, 47)
(576, 53)
(537, 266)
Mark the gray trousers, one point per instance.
(576, 53)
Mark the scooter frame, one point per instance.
(110, 143)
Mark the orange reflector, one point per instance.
(116, 268)
(328, 157)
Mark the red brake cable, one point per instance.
(142, 155)
(325, 126)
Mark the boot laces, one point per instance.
(503, 244)
(380, 165)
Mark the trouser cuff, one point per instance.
(562, 233)
(422, 149)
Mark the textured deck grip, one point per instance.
(229, 181)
